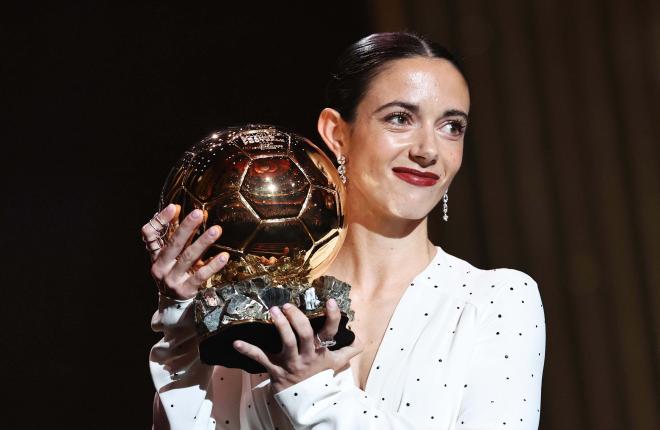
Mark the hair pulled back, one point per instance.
(364, 59)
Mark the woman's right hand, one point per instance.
(177, 268)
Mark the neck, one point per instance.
(379, 256)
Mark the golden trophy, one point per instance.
(279, 200)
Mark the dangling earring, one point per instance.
(445, 208)
(342, 168)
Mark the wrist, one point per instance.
(279, 385)
(173, 294)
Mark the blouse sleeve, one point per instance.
(504, 379)
(319, 403)
(184, 392)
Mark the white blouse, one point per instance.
(463, 350)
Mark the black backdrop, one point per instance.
(559, 177)
(102, 98)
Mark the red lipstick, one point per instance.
(416, 177)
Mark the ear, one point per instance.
(332, 129)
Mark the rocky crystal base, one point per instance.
(236, 306)
(249, 300)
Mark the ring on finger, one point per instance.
(161, 229)
(324, 343)
(149, 244)
(156, 239)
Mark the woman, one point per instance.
(440, 344)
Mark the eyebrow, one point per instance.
(415, 109)
(408, 106)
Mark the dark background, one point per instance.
(559, 179)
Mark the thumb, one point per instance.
(343, 355)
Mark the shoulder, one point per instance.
(493, 291)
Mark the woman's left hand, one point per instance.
(296, 363)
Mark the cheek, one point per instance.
(453, 157)
(373, 156)
(370, 172)
(457, 159)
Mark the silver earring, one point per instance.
(342, 168)
(445, 208)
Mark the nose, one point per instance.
(424, 151)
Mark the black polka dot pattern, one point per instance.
(459, 334)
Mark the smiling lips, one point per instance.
(416, 177)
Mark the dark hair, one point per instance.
(364, 59)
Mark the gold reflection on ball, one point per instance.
(273, 192)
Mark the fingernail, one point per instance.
(224, 257)
(238, 344)
(213, 232)
(287, 306)
(196, 214)
(331, 304)
(275, 312)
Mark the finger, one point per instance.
(180, 238)
(255, 353)
(154, 246)
(207, 270)
(301, 325)
(192, 253)
(174, 224)
(289, 344)
(151, 236)
(332, 319)
(153, 228)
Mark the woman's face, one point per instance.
(406, 142)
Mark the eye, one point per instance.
(455, 128)
(398, 118)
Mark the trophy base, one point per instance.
(218, 348)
